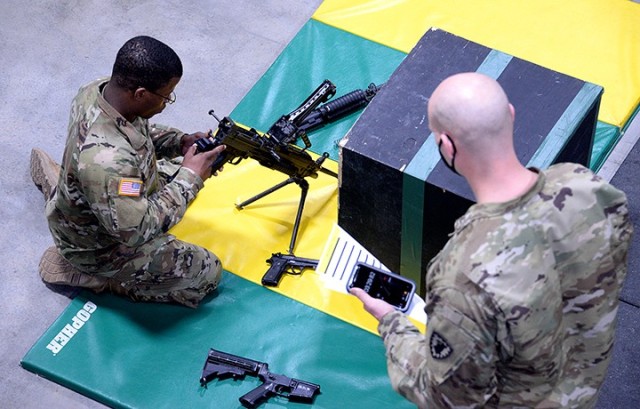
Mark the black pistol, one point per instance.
(285, 263)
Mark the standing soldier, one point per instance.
(522, 300)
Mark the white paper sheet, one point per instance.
(340, 255)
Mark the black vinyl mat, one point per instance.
(626, 179)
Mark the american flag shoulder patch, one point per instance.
(129, 187)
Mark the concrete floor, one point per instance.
(50, 48)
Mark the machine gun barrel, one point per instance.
(339, 107)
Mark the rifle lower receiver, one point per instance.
(224, 365)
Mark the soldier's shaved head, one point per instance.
(472, 120)
(474, 110)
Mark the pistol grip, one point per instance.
(275, 272)
(256, 396)
(219, 162)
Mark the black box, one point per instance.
(396, 197)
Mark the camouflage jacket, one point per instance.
(110, 192)
(521, 301)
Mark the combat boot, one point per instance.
(44, 172)
(55, 269)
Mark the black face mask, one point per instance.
(453, 157)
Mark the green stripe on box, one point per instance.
(414, 179)
(565, 126)
(494, 64)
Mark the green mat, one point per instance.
(130, 355)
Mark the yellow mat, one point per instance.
(597, 41)
(245, 239)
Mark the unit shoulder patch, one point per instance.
(439, 347)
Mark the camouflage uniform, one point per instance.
(521, 301)
(113, 205)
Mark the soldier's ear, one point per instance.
(139, 93)
(447, 143)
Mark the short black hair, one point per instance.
(145, 62)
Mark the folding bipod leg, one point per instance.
(304, 188)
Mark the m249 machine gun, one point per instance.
(276, 149)
(271, 152)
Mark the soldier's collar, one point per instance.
(485, 210)
(135, 137)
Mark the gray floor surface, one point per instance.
(50, 48)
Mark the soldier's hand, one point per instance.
(374, 306)
(200, 162)
(189, 139)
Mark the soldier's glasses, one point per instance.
(170, 99)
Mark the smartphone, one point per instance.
(390, 287)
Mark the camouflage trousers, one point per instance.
(164, 269)
(174, 271)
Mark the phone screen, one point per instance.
(392, 288)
